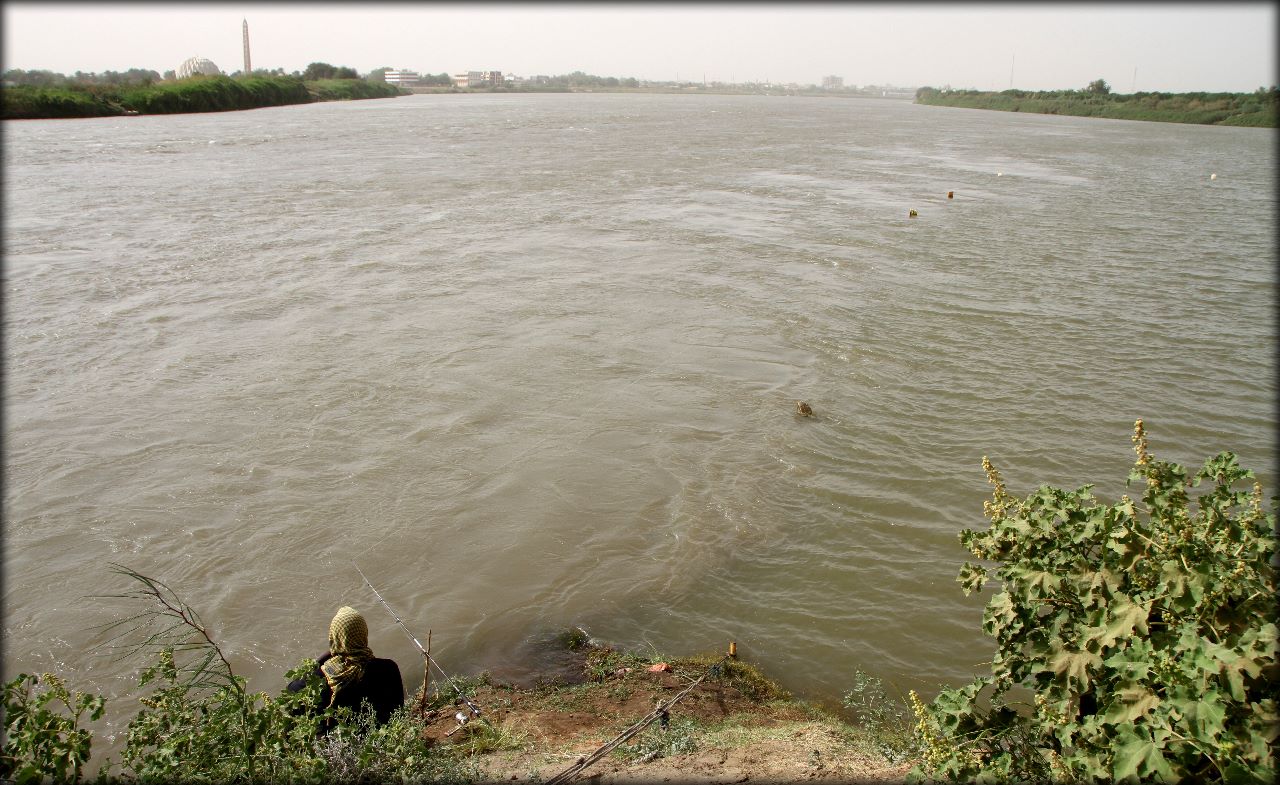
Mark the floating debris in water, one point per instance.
(803, 409)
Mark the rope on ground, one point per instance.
(659, 712)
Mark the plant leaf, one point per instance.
(1124, 617)
(1134, 701)
(1072, 664)
(1134, 756)
(1204, 717)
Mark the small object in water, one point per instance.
(912, 214)
(951, 194)
(999, 174)
(1213, 176)
(803, 409)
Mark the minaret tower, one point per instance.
(248, 66)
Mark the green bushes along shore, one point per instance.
(194, 94)
(1256, 109)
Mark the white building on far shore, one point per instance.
(402, 76)
(196, 65)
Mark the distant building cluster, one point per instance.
(484, 79)
(405, 77)
(836, 83)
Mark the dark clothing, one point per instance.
(381, 686)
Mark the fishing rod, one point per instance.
(475, 710)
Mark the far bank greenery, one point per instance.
(193, 94)
(1256, 109)
(1135, 642)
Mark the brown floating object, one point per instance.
(951, 194)
(911, 214)
(803, 409)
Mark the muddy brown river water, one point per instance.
(531, 361)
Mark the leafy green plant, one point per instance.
(1142, 629)
(887, 720)
(43, 742)
(358, 750)
(201, 724)
(678, 738)
(228, 735)
(171, 733)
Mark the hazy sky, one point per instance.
(1178, 47)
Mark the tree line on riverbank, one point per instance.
(39, 77)
(43, 94)
(1256, 109)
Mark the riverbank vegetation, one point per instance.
(1256, 109)
(1142, 629)
(51, 98)
(199, 722)
(1135, 642)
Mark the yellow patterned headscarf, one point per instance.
(349, 644)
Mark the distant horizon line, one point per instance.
(677, 80)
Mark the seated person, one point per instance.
(352, 674)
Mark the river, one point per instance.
(531, 361)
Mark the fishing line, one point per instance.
(475, 710)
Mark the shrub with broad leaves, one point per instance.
(43, 739)
(1143, 631)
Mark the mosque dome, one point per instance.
(197, 65)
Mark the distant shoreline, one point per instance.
(672, 90)
(221, 93)
(1251, 110)
(198, 94)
